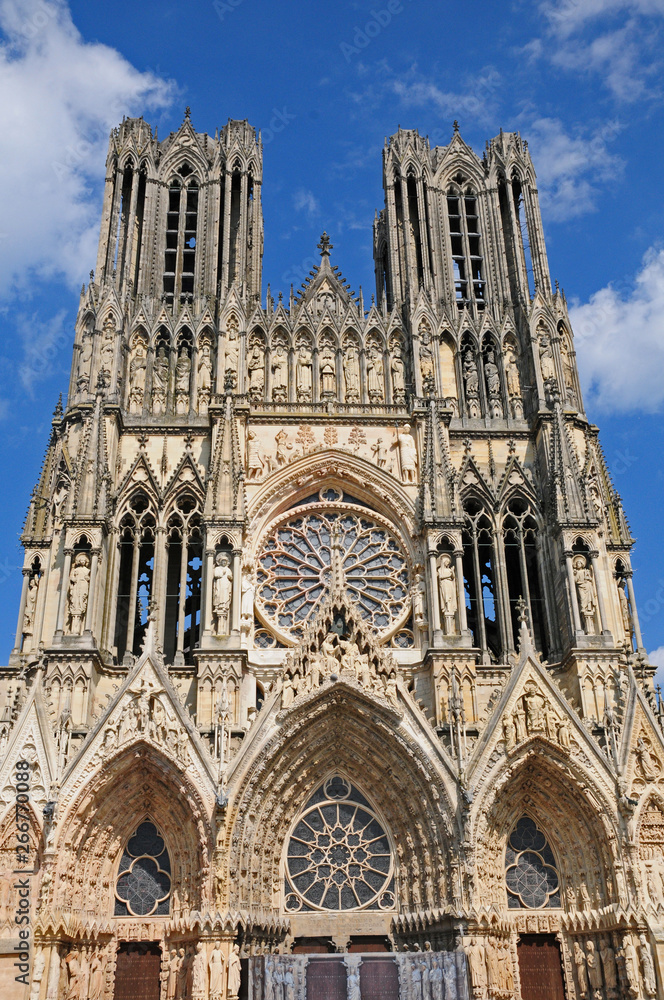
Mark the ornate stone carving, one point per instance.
(447, 591)
(137, 374)
(256, 368)
(303, 374)
(585, 589)
(407, 454)
(77, 593)
(222, 593)
(205, 376)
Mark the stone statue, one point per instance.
(77, 593)
(407, 454)
(138, 365)
(546, 361)
(426, 362)
(231, 355)
(74, 977)
(647, 967)
(204, 377)
(328, 375)
(198, 974)
(375, 386)
(216, 966)
(31, 604)
(581, 970)
(534, 705)
(84, 363)
(222, 593)
(398, 377)
(160, 380)
(379, 452)
(419, 599)
(447, 590)
(303, 380)
(234, 968)
(608, 957)
(255, 462)
(182, 380)
(471, 379)
(248, 593)
(173, 966)
(352, 374)
(256, 368)
(38, 967)
(97, 977)
(593, 965)
(353, 985)
(625, 611)
(631, 965)
(583, 577)
(183, 969)
(477, 964)
(491, 374)
(284, 445)
(279, 368)
(568, 373)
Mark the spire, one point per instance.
(225, 492)
(436, 499)
(325, 246)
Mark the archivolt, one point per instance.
(139, 782)
(340, 730)
(572, 816)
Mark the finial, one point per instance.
(325, 246)
(57, 412)
(456, 127)
(187, 114)
(467, 445)
(522, 610)
(511, 444)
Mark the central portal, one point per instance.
(540, 968)
(137, 971)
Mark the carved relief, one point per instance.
(137, 373)
(77, 593)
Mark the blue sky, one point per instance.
(581, 79)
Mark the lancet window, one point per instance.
(522, 568)
(467, 257)
(184, 544)
(143, 884)
(181, 230)
(531, 871)
(339, 855)
(480, 578)
(136, 566)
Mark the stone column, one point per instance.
(434, 604)
(92, 591)
(576, 617)
(635, 614)
(64, 584)
(237, 591)
(21, 610)
(461, 594)
(206, 590)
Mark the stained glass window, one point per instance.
(531, 870)
(296, 563)
(143, 885)
(339, 856)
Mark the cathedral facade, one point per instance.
(328, 678)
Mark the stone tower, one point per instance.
(327, 641)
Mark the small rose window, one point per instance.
(531, 871)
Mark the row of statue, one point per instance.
(337, 656)
(144, 715)
(491, 967)
(600, 967)
(191, 975)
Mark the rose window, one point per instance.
(339, 855)
(531, 871)
(298, 560)
(143, 886)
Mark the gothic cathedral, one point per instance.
(328, 679)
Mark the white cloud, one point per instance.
(619, 337)
(61, 96)
(613, 39)
(569, 165)
(475, 102)
(305, 201)
(45, 343)
(657, 659)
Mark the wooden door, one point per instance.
(137, 972)
(326, 979)
(379, 979)
(540, 968)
